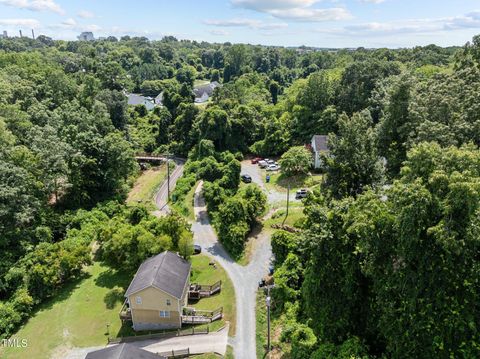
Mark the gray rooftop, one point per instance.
(134, 99)
(122, 351)
(207, 88)
(166, 271)
(320, 143)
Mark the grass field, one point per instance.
(203, 273)
(280, 182)
(146, 185)
(76, 317)
(295, 217)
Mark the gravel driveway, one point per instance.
(245, 279)
(273, 196)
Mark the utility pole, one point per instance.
(268, 301)
(168, 179)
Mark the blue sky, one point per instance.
(321, 23)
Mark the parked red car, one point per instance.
(256, 160)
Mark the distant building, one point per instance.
(319, 145)
(86, 36)
(135, 99)
(4, 35)
(203, 92)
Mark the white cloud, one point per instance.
(312, 15)
(69, 22)
(295, 10)
(219, 32)
(432, 25)
(30, 23)
(266, 5)
(84, 14)
(373, 1)
(35, 5)
(250, 23)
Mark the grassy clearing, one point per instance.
(185, 207)
(280, 182)
(203, 273)
(76, 317)
(146, 185)
(294, 219)
(200, 82)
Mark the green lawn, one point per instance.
(203, 273)
(146, 185)
(76, 317)
(295, 217)
(197, 82)
(280, 182)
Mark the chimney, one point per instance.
(20, 33)
(33, 34)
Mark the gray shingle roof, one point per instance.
(207, 88)
(134, 99)
(166, 271)
(320, 142)
(122, 351)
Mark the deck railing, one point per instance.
(193, 316)
(198, 291)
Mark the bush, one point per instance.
(303, 342)
(283, 243)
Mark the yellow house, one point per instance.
(158, 292)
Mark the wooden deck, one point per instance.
(198, 291)
(192, 316)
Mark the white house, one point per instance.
(319, 145)
(203, 92)
(135, 99)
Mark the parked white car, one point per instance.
(273, 167)
(262, 164)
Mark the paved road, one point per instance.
(161, 198)
(245, 279)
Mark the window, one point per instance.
(164, 314)
(168, 302)
(139, 300)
